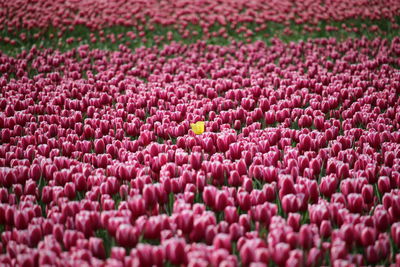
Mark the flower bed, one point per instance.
(298, 164)
(106, 24)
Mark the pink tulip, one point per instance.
(306, 237)
(118, 253)
(244, 201)
(347, 233)
(325, 229)
(290, 203)
(21, 219)
(231, 215)
(127, 235)
(247, 254)
(294, 221)
(195, 160)
(384, 184)
(372, 254)
(175, 251)
(338, 251)
(281, 253)
(367, 236)
(210, 233)
(382, 220)
(367, 193)
(355, 202)
(149, 195)
(222, 241)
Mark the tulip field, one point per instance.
(200, 133)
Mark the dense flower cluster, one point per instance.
(299, 164)
(145, 16)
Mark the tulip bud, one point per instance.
(305, 142)
(294, 221)
(384, 184)
(69, 190)
(118, 253)
(244, 221)
(175, 251)
(286, 186)
(325, 229)
(210, 233)
(231, 215)
(306, 237)
(367, 236)
(3, 195)
(347, 233)
(80, 182)
(218, 257)
(290, 203)
(234, 179)
(34, 172)
(328, 186)
(355, 203)
(244, 201)
(222, 241)
(21, 219)
(58, 232)
(127, 235)
(149, 195)
(99, 146)
(195, 160)
(97, 248)
(314, 257)
(395, 233)
(382, 220)
(338, 251)
(281, 253)
(247, 254)
(372, 255)
(270, 193)
(137, 206)
(367, 193)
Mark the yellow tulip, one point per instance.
(198, 127)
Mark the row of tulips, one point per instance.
(298, 164)
(24, 21)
